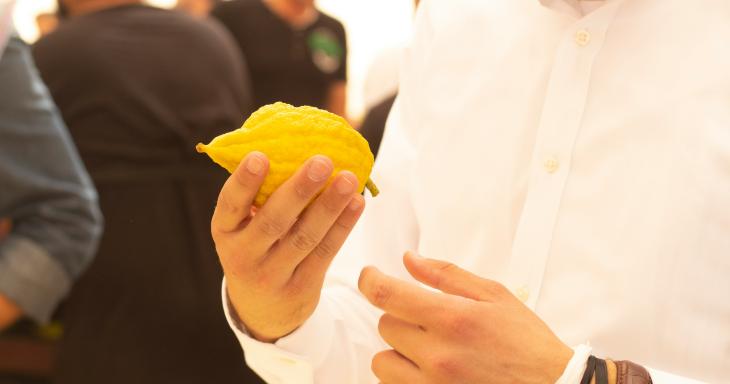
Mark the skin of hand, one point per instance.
(275, 257)
(472, 331)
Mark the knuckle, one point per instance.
(460, 324)
(325, 250)
(445, 366)
(296, 287)
(344, 223)
(447, 267)
(241, 178)
(268, 225)
(225, 204)
(303, 189)
(443, 271)
(302, 240)
(332, 204)
(262, 280)
(381, 294)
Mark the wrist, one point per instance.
(611, 367)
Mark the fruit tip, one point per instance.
(374, 191)
(200, 147)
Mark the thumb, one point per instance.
(449, 278)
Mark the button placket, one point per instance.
(556, 135)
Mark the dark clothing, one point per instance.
(138, 88)
(286, 64)
(373, 125)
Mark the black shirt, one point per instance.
(138, 87)
(373, 125)
(286, 64)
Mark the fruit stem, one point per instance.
(374, 191)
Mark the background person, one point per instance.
(295, 53)
(49, 218)
(138, 87)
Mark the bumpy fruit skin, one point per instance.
(289, 136)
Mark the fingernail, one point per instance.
(344, 186)
(255, 164)
(319, 170)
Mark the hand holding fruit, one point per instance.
(275, 260)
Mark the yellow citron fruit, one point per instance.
(288, 136)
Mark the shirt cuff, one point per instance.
(31, 278)
(573, 372)
(292, 358)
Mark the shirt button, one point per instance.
(522, 293)
(582, 37)
(551, 164)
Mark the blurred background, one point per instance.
(372, 27)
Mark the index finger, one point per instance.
(237, 194)
(402, 299)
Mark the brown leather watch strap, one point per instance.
(630, 373)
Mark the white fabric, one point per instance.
(589, 6)
(576, 366)
(381, 80)
(582, 161)
(6, 13)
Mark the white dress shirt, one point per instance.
(583, 161)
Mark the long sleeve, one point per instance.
(513, 151)
(45, 192)
(337, 343)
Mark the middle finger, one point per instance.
(314, 224)
(280, 211)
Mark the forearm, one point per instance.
(46, 193)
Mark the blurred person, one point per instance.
(138, 87)
(565, 165)
(46, 22)
(295, 52)
(49, 215)
(197, 8)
